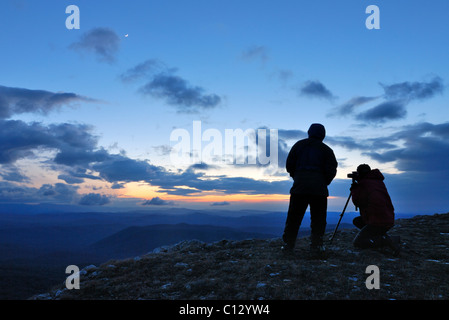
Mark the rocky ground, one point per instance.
(257, 270)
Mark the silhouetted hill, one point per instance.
(256, 269)
(135, 241)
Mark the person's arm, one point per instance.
(359, 195)
(331, 166)
(291, 161)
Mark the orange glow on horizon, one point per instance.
(147, 192)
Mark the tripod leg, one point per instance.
(341, 216)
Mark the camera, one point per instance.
(354, 175)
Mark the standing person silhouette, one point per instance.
(313, 166)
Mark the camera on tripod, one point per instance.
(354, 175)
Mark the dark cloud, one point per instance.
(156, 201)
(71, 156)
(94, 199)
(176, 91)
(423, 147)
(315, 89)
(222, 203)
(349, 107)
(74, 142)
(10, 192)
(163, 83)
(236, 185)
(414, 90)
(70, 179)
(386, 111)
(59, 192)
(119, 168)
(18, 100)
(12, 173)
(143, 70)
(201, 166)
(81, 172)
(117, 186)
(47, 193)
(19, 139)
(397, 96)
(103, 42)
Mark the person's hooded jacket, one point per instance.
(370, 195)
(312, 164)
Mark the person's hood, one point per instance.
(317, 131)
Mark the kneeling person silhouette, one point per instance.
(370, 195)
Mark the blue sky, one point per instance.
(86, 115)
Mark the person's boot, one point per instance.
(316, 245)
(393, 243)
(287, 248)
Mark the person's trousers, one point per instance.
(296, 210)
(369, 236)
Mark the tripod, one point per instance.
(341, 216)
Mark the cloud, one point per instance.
(143, 70)
(103, 42)
(315, 89)
(156, 201)
(119, 168)
(117, 185)
(386, 111)
(12, 173)
(256, 53)
(178, 92)
(47, 193)
(222, 203)
(283, 75)
(74, 142)
(421, 147)
(397, 96)
(414, 90)
(94, 199)
(163, 83)
(74, 146)
(18, 101)
(19, 140)
(58, 192)
(349, 107)
(70, 179)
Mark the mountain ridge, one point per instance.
(256, 269)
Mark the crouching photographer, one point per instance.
(370, 195)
